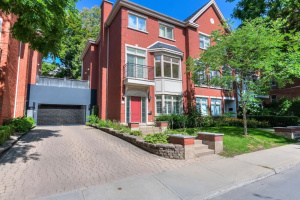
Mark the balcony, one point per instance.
(135, 74)
(62, 82)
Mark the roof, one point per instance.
(160, 45)
(192, 15)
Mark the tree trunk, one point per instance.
(245, 119)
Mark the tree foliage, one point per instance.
(40, 22)
(251, 57)
(274, 9)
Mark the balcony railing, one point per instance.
(132, 70)
(62, 82)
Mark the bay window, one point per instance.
(166, 66)
(213, 75)
(201, 104)
(137, 22)
(216, 107)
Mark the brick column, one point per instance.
(163, 125)
(188, 143)
(213, 140)
(134, 126)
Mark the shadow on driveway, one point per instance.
(21, 148)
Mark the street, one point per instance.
(283, 186)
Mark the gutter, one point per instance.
(17, 83)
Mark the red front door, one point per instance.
(136, 113)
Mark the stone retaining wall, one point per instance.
(173, 151)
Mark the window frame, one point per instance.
(173, 101)
(166, 26)
(271, 98)
(211, 103)
(217, 73)
(137, 21)
(136, 55)
(200, 103)
(205, 36)
(162, 55)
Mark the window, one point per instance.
(202, 76)
(213, 75)
(273, 98)
(159, 104)
(226, 71)
(166, 32)
(201, 104)
(166, 104)
(215, 107)
(204, 42)
(136, 61)
(137, 23)
(128, 109)
(143, 110)
(166, 66)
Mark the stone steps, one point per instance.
(146, 130)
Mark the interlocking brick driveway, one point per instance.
(55, 159)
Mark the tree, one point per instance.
(274, 9)
(79, 27)
(251, 57)
(40, 23)
(48, 67)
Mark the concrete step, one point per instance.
(200, 147)
(204, 152)
(198, 142)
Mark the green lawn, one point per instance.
(236, 143)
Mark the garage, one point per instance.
(61, 114)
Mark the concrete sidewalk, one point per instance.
(198, 181)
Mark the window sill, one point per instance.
(177, 79)
(137, 29)
(202, 48)
(201, 86)
(167, 38)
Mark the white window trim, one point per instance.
(1, 21)
(167, 26)
(203, 97)
(162, 68)
(138, 16)
(205, 35)
(136, 47)
(216, 98)
(163, 103)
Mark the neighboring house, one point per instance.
(137, 63)
(290, 91)
(18, 68)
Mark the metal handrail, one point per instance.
(132, 70)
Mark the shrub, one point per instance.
(5, 133)
(278, 120)
(21, 124)
(95, 111)
(157, 138)
(93, 119)
(136, 133)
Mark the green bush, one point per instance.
(157, 138)
(93, 119)
(21, 124)
(136, 133)
(95, 111)
(277, 120)
(6, 132)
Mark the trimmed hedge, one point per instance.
(278, 120)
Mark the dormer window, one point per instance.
(166, 31)
(137, 22)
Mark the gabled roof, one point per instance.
(200, 11)
(164, 45)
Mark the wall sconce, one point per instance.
(123, 98)
(150, 98)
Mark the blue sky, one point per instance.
(177, 9)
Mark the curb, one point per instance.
(259, 178)
(12, 141)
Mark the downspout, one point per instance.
(107, 62)
(18, 72)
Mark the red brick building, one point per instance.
(137, 63)
(18, 68)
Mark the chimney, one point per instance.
(106, 8)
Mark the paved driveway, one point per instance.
(54, 159)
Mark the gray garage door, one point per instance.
(60, 115)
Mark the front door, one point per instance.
(136, 113)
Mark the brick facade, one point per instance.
(116, 33)
(19, 66)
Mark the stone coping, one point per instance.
(181, 136)
(291, 127)
(207, 133)
(285, 127)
